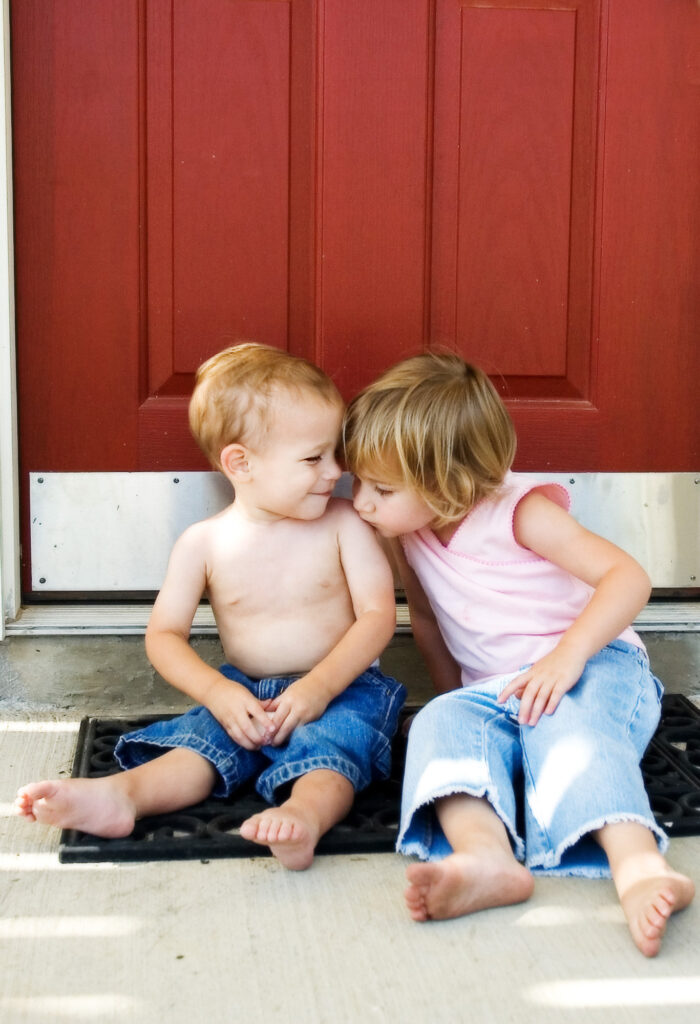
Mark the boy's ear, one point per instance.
(234, 461)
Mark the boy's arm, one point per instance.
(621, 590)
(445, 674)
(169, 651)
(371, 586)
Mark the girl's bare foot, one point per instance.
(464, 883)
(648, 888)
(288, 832)
(95, 806)
(648, 905)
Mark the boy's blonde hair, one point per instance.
(233, 390)
(437, 425)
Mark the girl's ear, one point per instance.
(234, 462)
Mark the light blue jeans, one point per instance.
(550, 784)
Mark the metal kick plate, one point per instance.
(113, 532)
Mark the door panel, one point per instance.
(373, 186)
(516, 123)
(649, 307)
(230, 175)
(75, 100)
(354, 182)
(221, 149)
(504, 133)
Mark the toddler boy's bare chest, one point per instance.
(286, 569)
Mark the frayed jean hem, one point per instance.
(270, 780)
(132, 754)
(550, 862)
(424, 814)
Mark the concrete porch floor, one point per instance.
(246, 940)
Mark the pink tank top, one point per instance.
(499, 605)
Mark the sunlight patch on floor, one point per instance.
(556, 916)
(69, 927)
(45, 862)
(596, 993)
(37, 726)
(73, 1007)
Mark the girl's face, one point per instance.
(390, 508)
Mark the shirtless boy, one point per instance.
(304, 603)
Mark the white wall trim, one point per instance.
(131, 619)
(10, 587)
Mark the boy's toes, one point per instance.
(415, 903)
(23, 806)
(249, 828)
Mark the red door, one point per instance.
(355, 181)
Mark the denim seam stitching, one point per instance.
(491, 790)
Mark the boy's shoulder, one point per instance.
(341, 515)
(340, 508)
(201, 531)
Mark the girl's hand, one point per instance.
(303, 701)
(542, 686)
(243, 717)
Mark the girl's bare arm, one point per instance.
(444, 672)
(621, 590)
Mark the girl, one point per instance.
(523, 619)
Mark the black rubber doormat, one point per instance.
(671, 769)
(211, 828)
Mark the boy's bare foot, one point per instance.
(462, 884)
(648, 905)
(95, 806)
(287, 831)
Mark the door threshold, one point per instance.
(131, 619)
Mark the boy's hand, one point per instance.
(303, 701)
(542, 686)
(243, 717)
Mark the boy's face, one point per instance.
(293, 467)
(390, 508)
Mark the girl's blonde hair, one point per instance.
(435, 424)
(234, 391)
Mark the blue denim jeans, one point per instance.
(352, 737)
(551, 784)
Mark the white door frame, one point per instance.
(10, 588)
